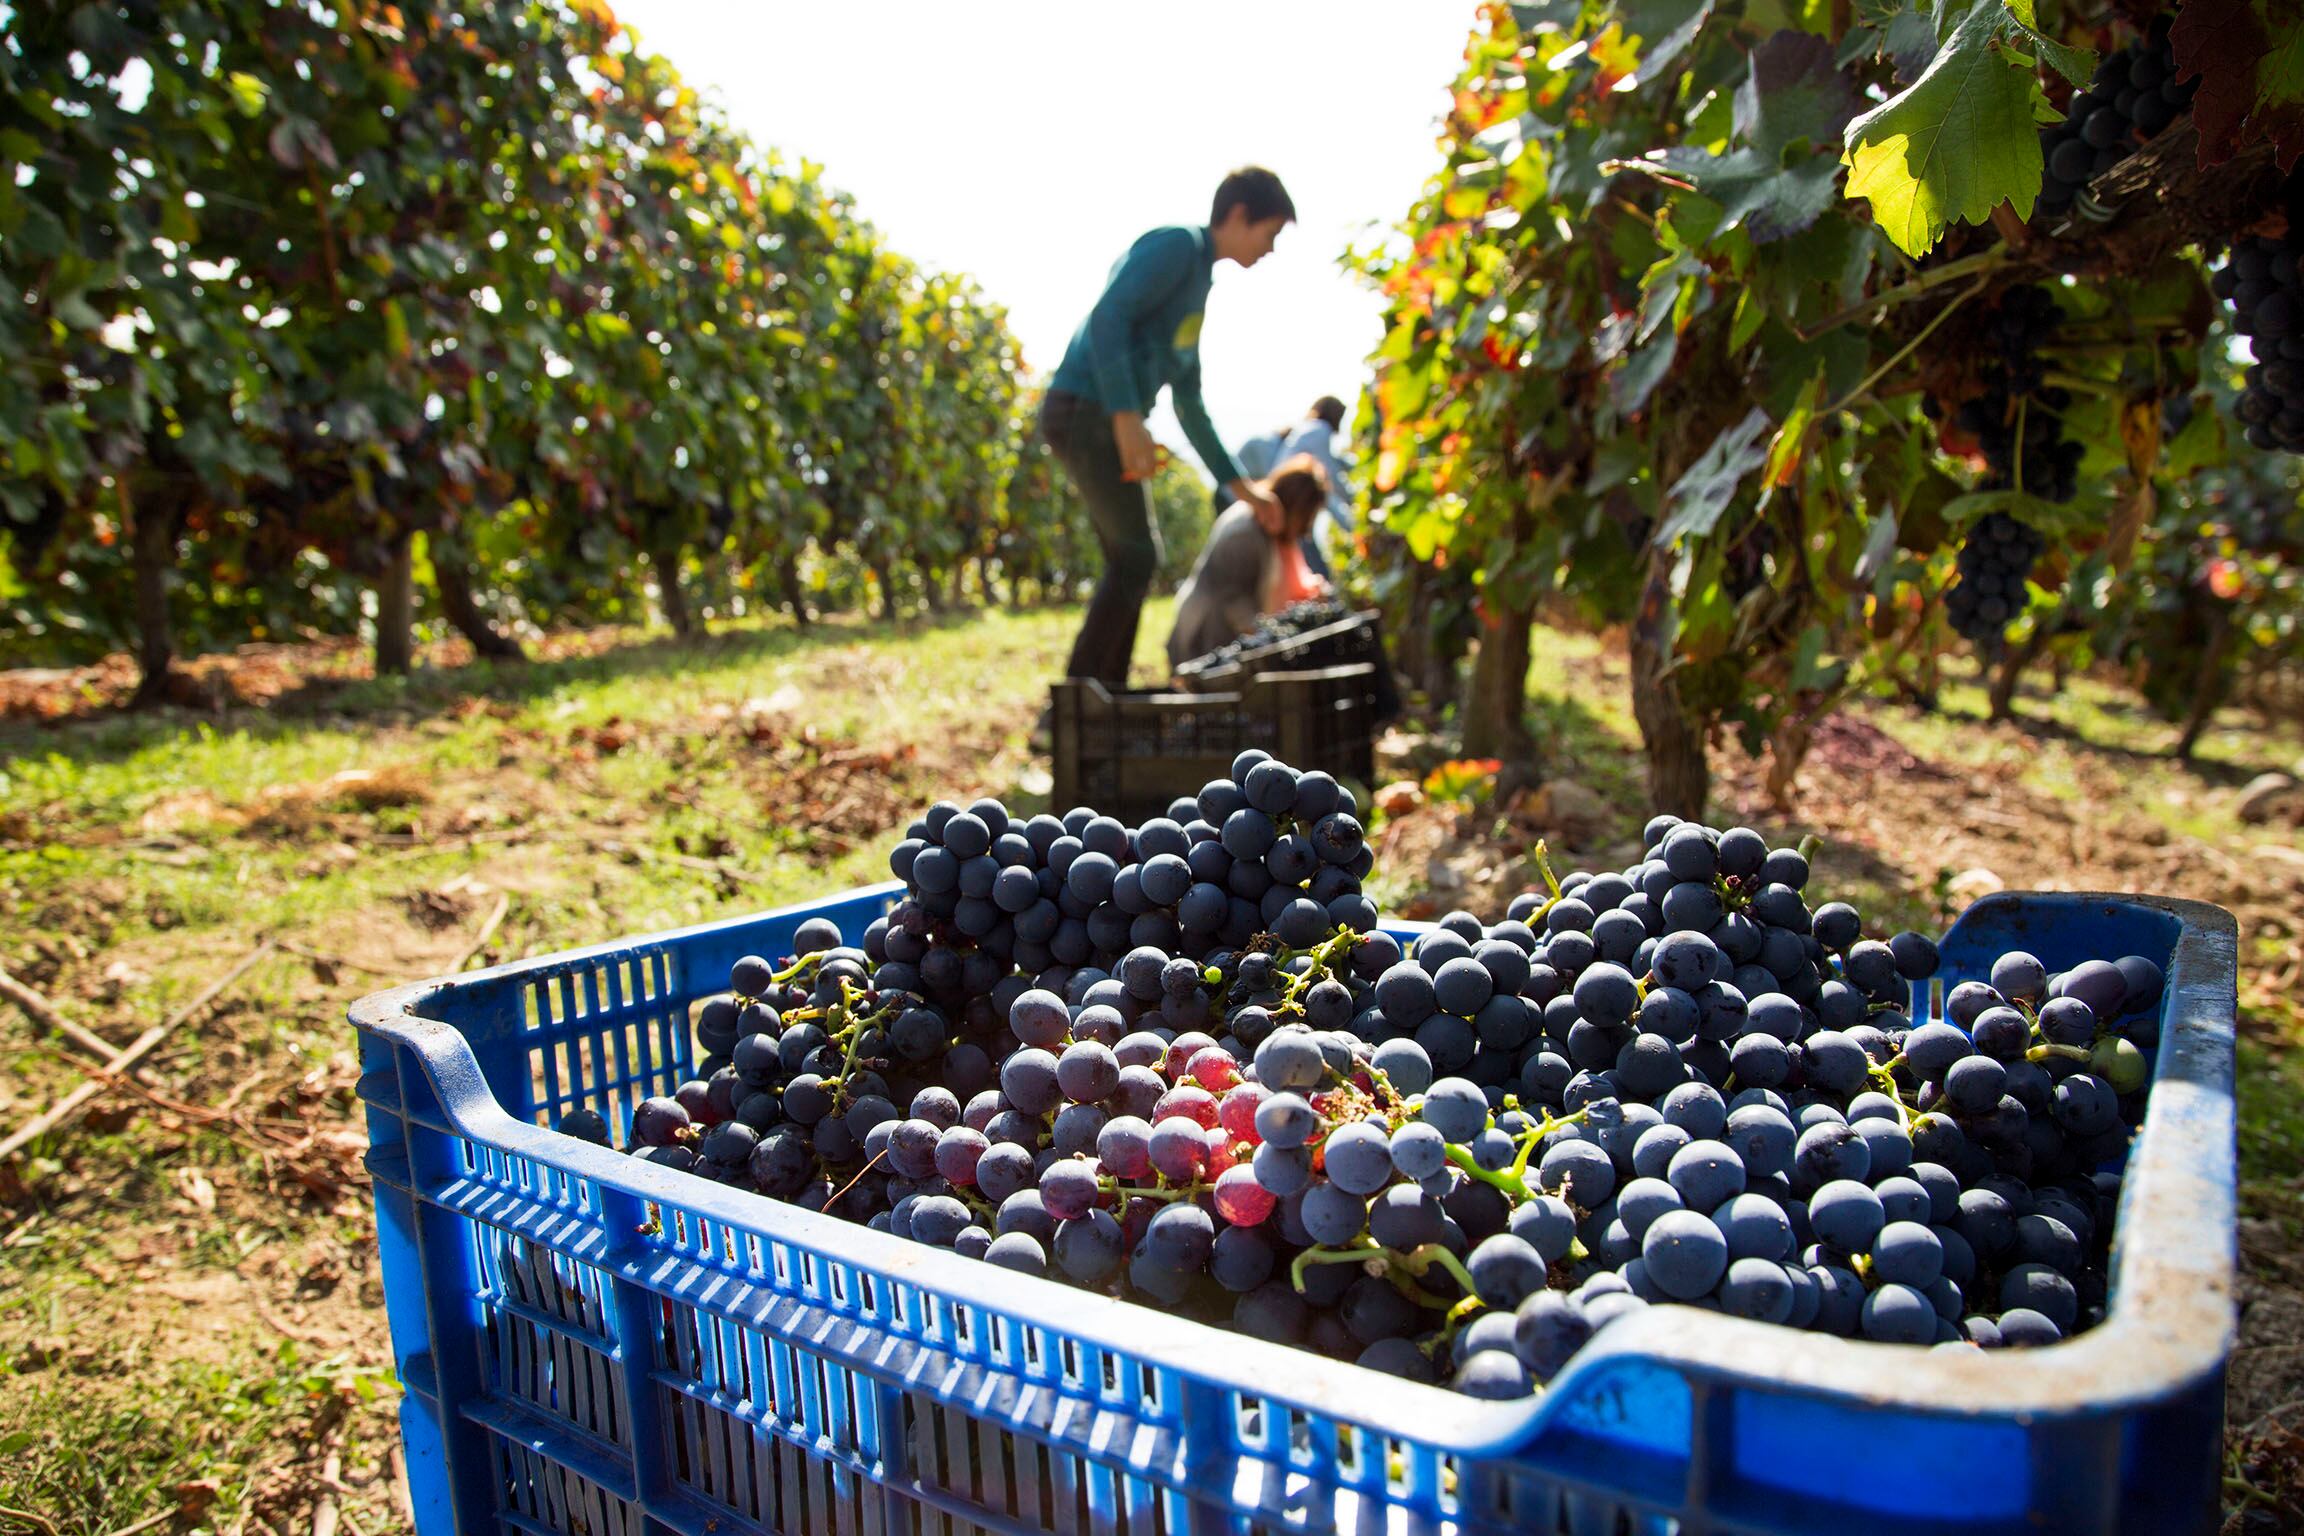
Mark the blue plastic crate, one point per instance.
(595, 1346)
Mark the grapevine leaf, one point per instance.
(2129, 515)
(247, 91)
(1910, 42)
(1808, 666)
(1792, 90)
(1879, 547)
(2140, 436)
(1902, 30)
(1979, 504)
(2077, 65)
(1545, 13)
(1699, 496)
(2248, 56)
(1673, 23)
(1618, 460)
(75, 311)
(283, 143)
(1792, 102)
(1959, 142)
(1784, 452)
(2199, 443)
(1630, 386)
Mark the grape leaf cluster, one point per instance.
(1680, 1082)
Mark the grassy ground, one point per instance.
(190, 1324)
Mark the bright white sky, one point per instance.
(1027, 142)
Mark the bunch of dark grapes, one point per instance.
(1269, 849)
(2018, 418)
(1995, 561)
(1680, 1082)
(2134, 95)
(1273, 629)
(2262, 284)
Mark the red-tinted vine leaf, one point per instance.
(1790, 441)
(2248, 56)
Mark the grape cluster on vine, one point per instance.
(2134, 95)
(1682, 1082)
(2018, 423)
(1994, 563)
(2018, 418)
(2261, 283)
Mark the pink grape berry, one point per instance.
(1178, 1149)
(1236, 1112)
(1240, 1200)
(1213, 1068)
(1188, 1100)
(1222, 1151)
(1181, 1050)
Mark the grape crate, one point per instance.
(1269, 1148)
(1180, 1063)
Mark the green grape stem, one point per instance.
(1542, 857)
(1884, 1079)
(1403, 1269)
(1359, 1251)
(1420, 1260)
(849, 1029)
(798, 968)
(1514, 1180)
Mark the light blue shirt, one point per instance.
(1258, 456)
(1315, 437)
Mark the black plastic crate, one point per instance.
(1130, 754)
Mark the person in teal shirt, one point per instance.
(1143, 336)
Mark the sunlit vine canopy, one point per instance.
(1682, 334)
(285, 290)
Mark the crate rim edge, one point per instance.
(1333, 672)
(1198, 666)
(2169, 1326)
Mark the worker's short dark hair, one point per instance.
(1256, 189)
(1330, 410)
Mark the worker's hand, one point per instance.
(1139, 456)
(1266, 506)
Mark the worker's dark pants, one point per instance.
(1080, 431)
